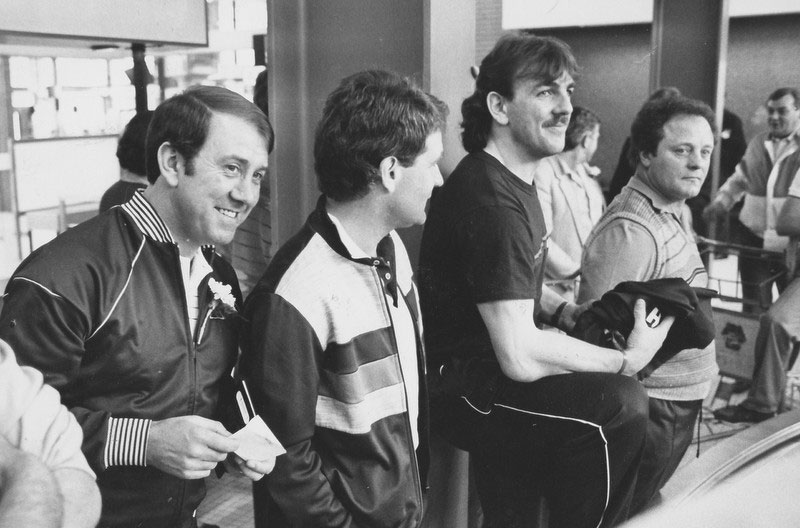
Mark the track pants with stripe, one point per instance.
(574, 439)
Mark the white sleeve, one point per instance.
(32, 418)
(794, 188)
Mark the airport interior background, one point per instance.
(65, 94)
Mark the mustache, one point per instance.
(557, 121)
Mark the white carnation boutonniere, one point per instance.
(224, 303)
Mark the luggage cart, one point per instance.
(736, 318)
(737, 322)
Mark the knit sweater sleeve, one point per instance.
(619, 250)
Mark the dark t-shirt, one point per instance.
(482, 242)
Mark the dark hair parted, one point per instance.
(130, 147)
(370, 116)
(184, 119)
(581, 122)
(647, 129)
(514, 58)
(781, 92)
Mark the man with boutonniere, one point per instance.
(131, 315)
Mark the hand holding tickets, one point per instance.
(257, 442)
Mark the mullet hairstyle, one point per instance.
(370, 116)
(183, 121)
(581, 122)
(513, 59)
(647, 129)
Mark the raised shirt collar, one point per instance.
(349, 244)
(655, 197)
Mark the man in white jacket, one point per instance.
(763, 178)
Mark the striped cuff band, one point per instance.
(126, 442)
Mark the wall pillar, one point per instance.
(689, 51)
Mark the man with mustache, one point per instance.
(646, 234)
(762, 178)
(130, 315)
(541, 413)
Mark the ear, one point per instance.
(389, 172)
(170, 163)
(496, 104)
(644, 159)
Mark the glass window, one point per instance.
(82, 73)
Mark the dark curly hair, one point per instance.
(514, 58)
(371, 115)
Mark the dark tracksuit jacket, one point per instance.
(320, 357)
(101, 311)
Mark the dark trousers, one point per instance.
(669, 433)
(757, 274)
(574, 439)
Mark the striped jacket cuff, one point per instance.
(126, 443)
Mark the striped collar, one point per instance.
(147, 219)
(656, 198)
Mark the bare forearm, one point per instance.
(555, 353)
(526, 353)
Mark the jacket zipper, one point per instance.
(192, 350)
(409, 436)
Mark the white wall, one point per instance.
(532, 14)
(74, 170)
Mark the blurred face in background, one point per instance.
(590, 142)
(783, 116)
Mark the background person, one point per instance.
(762, 180)
(778, 333)
(132, 169)
(572, 200)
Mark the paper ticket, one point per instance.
(257, 442)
